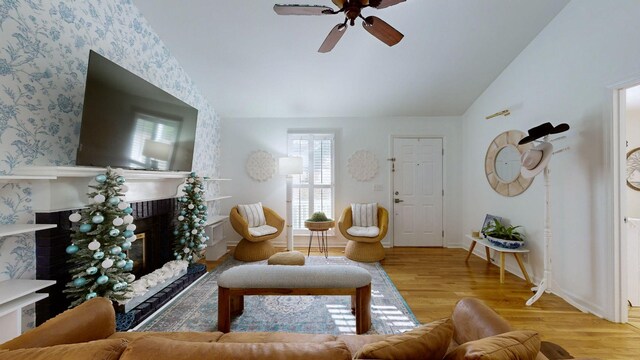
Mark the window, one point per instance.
(313, 189)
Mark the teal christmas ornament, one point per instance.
(120, 180)
(85, 228)
(92, 270)
(128, 266)
(178, 257)
(193, 174)
(121, 263)
(127, 233)
(115, 250)
(176, 232)
(101, 178)
(128, 211)
(97, 218)
(183, 213)
(72, 249)
(189, 258)
(98, 255)
(103, 279)
(114, 200)
(201, 207)
(122, 255)
(202, 246)
(91, 295)
(114, 232)
(126, 245)
(182, 241)
(79, 282)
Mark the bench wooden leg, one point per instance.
(224, 310)
(486, 250)
(236, 304)
(473, 245)
(363, 309)
(501, 267)
(522, 268)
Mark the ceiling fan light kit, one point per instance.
(352, 10)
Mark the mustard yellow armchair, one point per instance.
(255, 248)
(362, 248)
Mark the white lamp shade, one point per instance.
(290, 165)
(157, 150)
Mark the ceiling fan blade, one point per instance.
(383, 31)
(381, 4)
(333, 38)
(302, 9)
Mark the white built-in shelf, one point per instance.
(15, 294)
(216, 220)
(14, 229)
(214, 179)
(218, 198)
(15, 289)
(20, 178)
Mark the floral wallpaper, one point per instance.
(44, 50)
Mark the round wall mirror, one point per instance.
(508, 164)
(502, 164)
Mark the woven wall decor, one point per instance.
(261, 165)
(363, 165)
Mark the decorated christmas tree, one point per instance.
(101, 235)
(190, 237)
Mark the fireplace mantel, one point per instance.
(57, 188)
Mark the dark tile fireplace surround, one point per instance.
(153, 218)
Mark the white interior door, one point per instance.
(418, 192)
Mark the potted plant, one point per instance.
(318, 221)
(504, 236)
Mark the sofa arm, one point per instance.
(473, 320)
(91, 320)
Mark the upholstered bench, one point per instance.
(239, 281)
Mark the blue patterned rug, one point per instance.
(197, 310)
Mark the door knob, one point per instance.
(397, 201)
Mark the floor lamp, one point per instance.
(289, 166)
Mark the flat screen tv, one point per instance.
(129, 123)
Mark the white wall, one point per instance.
(242, 136)
(562, 76)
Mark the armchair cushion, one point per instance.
(253, 213)
(262, 230)
(365, 214)
(363, 231)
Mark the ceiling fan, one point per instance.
(352, 10)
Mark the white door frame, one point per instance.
(391, 181)
(617, 170)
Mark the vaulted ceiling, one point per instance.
(250, 62)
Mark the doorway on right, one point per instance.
(418, 192)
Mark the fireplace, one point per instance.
(154, 230)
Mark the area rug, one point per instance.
(196, 308)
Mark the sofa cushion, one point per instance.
(521, 345)
(364, 231)
(253, 213)
(154, 348)
(425, 342)
(110, 349)
(364, 214)
(180, 335)
(355, 343)
(262, 230)
(92, 320)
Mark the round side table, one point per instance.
(320, 228)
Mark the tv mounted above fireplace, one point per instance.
(130, 123)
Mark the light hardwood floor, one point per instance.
(432, 280)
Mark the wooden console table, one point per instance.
(487, 245)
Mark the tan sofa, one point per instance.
(88, 332)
